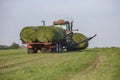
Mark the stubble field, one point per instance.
(90, 64)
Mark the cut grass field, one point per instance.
(91, 64)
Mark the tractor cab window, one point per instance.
(68, 26)
(62, 26)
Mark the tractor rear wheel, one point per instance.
(71, 48)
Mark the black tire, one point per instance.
(70, 48)
(29, 51)
(35, 50)
(44, 50)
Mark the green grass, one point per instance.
(91, 64)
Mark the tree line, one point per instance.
(13, 46)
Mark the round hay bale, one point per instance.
(28, 34)
(49, 33)
(60, 33)
(45, 34)
(78, 37)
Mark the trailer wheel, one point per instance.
(44, 50)
(35, 50)
(30, 51)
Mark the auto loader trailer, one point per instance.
(53, 46)
(45, 46)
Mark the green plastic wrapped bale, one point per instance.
(60, 33)
(45, 34)
(42, 34)
(28, 34)
(76, 38)
(50, 33)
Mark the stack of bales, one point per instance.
(41, 34)
(77, 37)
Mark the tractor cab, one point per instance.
(63, 24)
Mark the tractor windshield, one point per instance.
(62, 26)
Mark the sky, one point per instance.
(101, 17)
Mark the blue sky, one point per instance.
(91, 17)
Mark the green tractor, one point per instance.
(74, 41)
